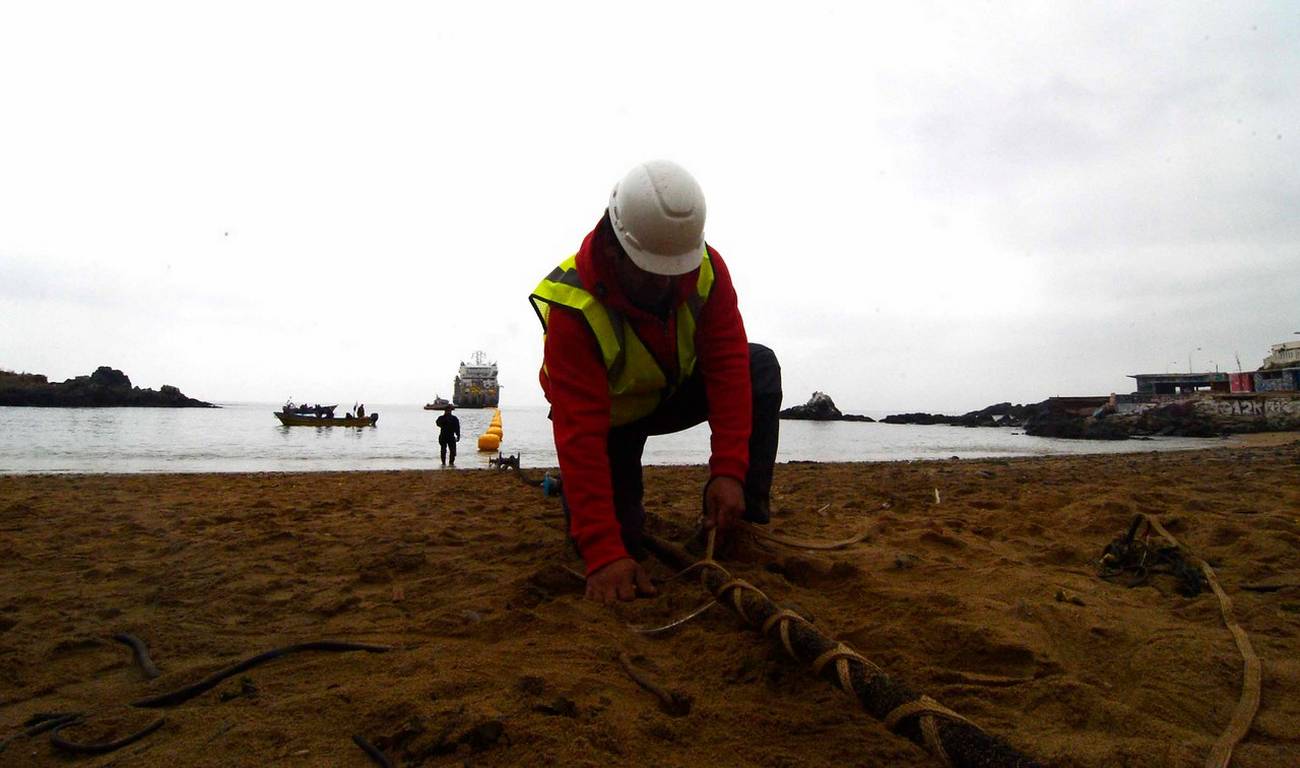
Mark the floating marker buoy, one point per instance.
(489, 442)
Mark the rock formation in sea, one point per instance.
(1102, 418)
(105, 388)
(997, 415)
(820, 407)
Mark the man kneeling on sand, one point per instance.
(643, 337)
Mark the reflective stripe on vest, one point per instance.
(636, 381)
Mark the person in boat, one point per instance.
(361, 411)
(643, 336)
(448, 434)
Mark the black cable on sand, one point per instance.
(370, 749)
(181, 695)
(101, 747)
(141, 653)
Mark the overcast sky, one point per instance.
(935, 207)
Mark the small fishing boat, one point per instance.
(308, 410)
(295, 420)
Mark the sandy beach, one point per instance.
(985, 597)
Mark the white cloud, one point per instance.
(257, 200)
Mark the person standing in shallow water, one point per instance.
(448, 434)
(643, 337)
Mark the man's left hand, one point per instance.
(724, 503)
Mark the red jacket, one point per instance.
(577, 387)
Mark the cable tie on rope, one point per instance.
(842, 652)
(784, 627)
(926, 709)
(737, 584)
(781, 614)
(924, 706)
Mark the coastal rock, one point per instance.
(1177, 418)
(918, 417)
(1180, 418)
(997, 415)
(105, 388)
(1125, 417)
(1052, 423)
(820, 407)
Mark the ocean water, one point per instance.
(245, 437)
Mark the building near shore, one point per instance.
(1277, 380)
(1284, 355)
(1180, 383)
(1280, 372)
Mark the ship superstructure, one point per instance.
(476, 384)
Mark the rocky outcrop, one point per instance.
(1096, 418)
(1189, 417)
(820, 407)
(1049, 422)
(105, 388)
(997, 415)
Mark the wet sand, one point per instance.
(498, 660)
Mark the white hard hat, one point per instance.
(658, 215)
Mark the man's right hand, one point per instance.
(622, 579)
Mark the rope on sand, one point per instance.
(1252, 671)
(951, 738)
(40, 723)
(675, 622)
(141, 653)
(674, 703)
(101, 747)
(816, 544)
(180, 695)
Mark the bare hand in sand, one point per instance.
(724, 503)
(620, 580)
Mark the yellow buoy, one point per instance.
(495, 430)
(489, 442)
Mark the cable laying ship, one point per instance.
(476, 384)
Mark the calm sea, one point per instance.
(245, 437)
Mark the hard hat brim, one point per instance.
(659, 264)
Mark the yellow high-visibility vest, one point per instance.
(636, 381)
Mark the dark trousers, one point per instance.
(445, 445)
(687, 407)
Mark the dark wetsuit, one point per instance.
(448, 434)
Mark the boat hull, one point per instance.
(294, 420)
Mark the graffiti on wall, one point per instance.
(1272, 408)
(1283, 381)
